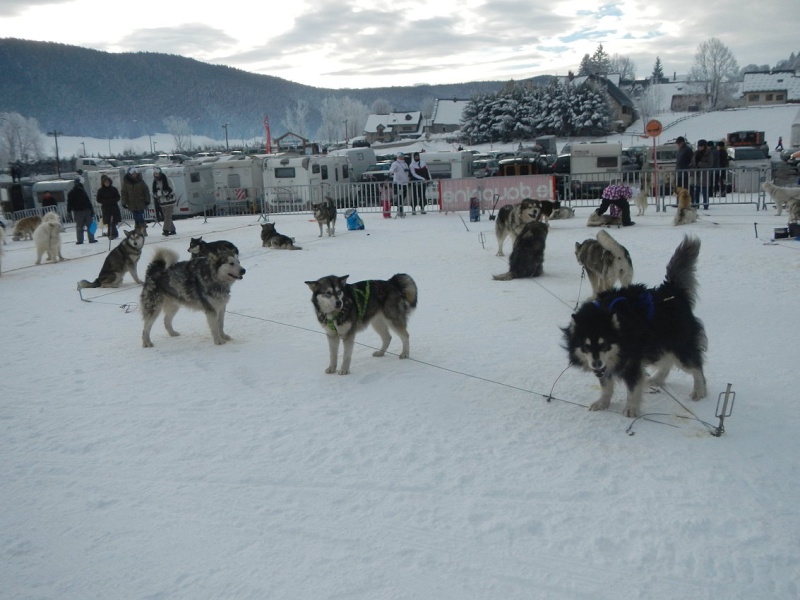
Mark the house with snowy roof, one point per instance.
(446, 115)
(775, 87)
(393, 126)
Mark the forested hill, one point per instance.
(100, 94)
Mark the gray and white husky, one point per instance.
(199, 247)
(122, 259)
(325, 214)
(270, 238)
(202, 284)
(343, 309)
(511, 218)
(605, 261)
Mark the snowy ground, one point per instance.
(192, 471)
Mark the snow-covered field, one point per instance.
(191, 470)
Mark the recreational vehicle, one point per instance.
(448, 165)
(360, 159)
(295, 182)
(594, 165)
(238, 180)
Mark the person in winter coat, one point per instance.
(48, 200)
(419, 179)
(400, 178)
(165, 198)
(722, 163)
(135, 195)
(80, 205)
(683, 161)
(108, 199)
(701, 163)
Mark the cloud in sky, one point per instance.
(356, 43)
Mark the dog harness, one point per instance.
(361, 298)
(644, 303)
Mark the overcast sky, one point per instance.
(360, 43)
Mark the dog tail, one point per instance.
(622, 258)
(407, 287)
(163, 259)
(682, 267)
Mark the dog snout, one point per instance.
(338, 304)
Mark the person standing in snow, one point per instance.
(165, 198)
(135, 196)
(400, 177)
(419, 179)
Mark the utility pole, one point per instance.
(150, 135)
(225, 127)
(345, 133)
(54, 134)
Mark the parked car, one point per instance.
(750, 168)
(794, 159)
(487, 167)
(377, 172)
(786, 153)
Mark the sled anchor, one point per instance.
(725, 399)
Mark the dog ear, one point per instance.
(313, 285)
(343, 279)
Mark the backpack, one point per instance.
(354, 222)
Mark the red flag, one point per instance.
(269, 136)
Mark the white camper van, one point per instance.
(237, 178)
(360, 159)
(593, 166)
(448, 165)
(295, 182)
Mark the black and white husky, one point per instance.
(202, 284)
(270, 238)
(625, 330)
(325, 214)
(343, 309)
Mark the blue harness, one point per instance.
(645, 303)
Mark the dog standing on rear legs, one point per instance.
(626, 330)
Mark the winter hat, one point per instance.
(702, 143)
(400, 155)
(157, 171)
(132, 170)
(77, 181)
(680, 139)
(105, 178)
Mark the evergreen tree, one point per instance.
(658, 71)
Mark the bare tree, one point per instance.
(381, 106)
(180, 131)
(342, 116)
(296, 118)
(649, 104)
(624, 66)
(20, 138)
(716, 69)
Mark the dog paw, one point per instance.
(599, 405)
(344, 372)
(226, 337)
(404, 355)
(378, 353)
(330, 370)
(630, 411)
(147, 344)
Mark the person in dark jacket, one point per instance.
(683, 161)
(722, 163)
(48, 199)
(108, 199)
(135, 195)
(165, 198)
(701, 163)
(80, 205)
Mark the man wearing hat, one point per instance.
(701, 163)
(400, 178)
(135, 195)
(80, 205)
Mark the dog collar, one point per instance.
(645, 302)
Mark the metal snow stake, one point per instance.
(726, 399)
(482, 240)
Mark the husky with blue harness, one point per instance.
(343, 309)
(625, 330)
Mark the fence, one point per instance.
(725, 186)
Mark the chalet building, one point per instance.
(765, 89)
(394, 126)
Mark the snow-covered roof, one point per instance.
(448, 111)
(771, 82)
(392, 120)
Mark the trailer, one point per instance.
(448, 165)
(592, 166)
(238, 182)
(359, 158)
(293, 183)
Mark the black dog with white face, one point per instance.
(625, 330)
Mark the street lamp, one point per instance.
(149, 135)
(345, 133)
(54, 134)
(154, 147)
(84, 148)
(225, 127)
